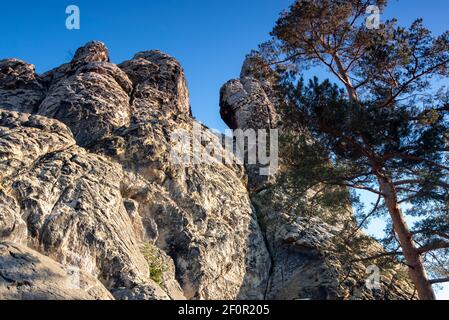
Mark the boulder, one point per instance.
(28, 275)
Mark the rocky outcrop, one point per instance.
(20, 88)
(70, 201)
(91, 96)
(28, 275)
(199, 214)
(311, 258)
(86, 179)
(250, 102)
(12, 227)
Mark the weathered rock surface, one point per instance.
(249, 103)
(28, 275)
(160, 88)
(94, 208)
(199, 214)
(70, 201)
(91, 97)
(20, 88)
(12, 227)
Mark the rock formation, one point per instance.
(87, 183)
(26, 274)
(86, 180)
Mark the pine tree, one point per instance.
(387, 131)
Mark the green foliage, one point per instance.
(388, 125)
(346, 138)
(156, 265)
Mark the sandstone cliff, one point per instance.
(87, 186)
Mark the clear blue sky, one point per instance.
(209, 37)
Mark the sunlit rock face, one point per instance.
(29, 275)
(20, 88)
(86, 181)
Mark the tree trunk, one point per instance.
(353, 97)
(411, 254)
(352, 92)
